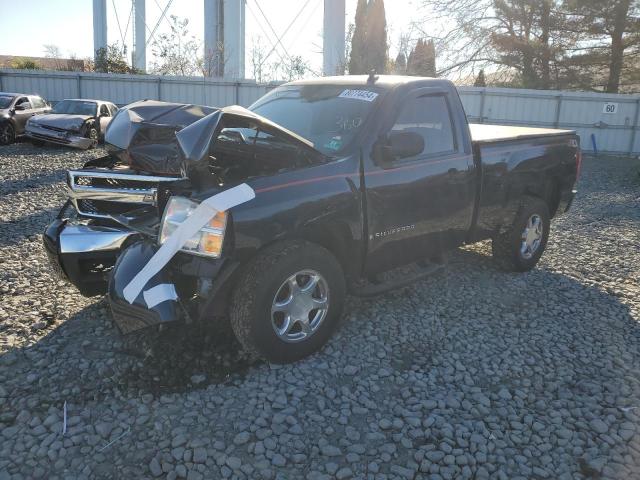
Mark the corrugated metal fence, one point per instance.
(606, 121)
(124, 89)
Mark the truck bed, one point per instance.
(482, 133)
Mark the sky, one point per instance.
(68, 24)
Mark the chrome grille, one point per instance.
(100, 193)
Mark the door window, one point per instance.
(25, 102)
(104, 111)
(428, 116)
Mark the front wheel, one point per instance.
(288, 301)
(520, 248)
(7, 134)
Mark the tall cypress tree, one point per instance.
(359, 40)
(377, 37)
(369, 43)
(422, 60)
(400, 65)
(480, 80)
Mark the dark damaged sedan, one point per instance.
(78, 123)
(270, 215)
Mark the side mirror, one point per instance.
(20, 107)
(396, 146)
(406, 144)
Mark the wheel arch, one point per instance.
(547, 190)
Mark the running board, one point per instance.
(394, 279)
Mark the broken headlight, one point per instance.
(207, 242)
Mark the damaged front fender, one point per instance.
(138, 315)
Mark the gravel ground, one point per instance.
(472, 373)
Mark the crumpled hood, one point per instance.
(143, 134)
(161, 138)
(61, 120)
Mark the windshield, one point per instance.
(75, 107)
(330, 116)
(5, 101)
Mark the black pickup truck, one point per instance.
(361, 183)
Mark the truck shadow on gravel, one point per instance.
(189, 357)
(537, 343)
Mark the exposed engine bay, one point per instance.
(212, 147)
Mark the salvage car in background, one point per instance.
(78, 123)
(15, 110)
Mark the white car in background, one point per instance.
(78, 123)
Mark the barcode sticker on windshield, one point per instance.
(365, 95)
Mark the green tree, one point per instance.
(24, 64)
(369, 46)
(377, 46)
(359, 40)
(480, 80)
(422, 59)
(177, 52)
(400, 65)
(610, 33)
(112, 59)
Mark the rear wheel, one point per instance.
(288, 301)
(520, 248)
(7, 134)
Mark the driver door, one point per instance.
(421, 205)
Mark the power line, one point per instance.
(267, 35)
(278, 42)
(126, 28)
(285, 31)
(115, 10)
(278, 38)
(158, 5)
(164, 12)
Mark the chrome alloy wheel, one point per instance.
(300, 306)
(532, 236)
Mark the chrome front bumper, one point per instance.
(85, 254)
(70, 139)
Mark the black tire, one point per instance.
(507, 247)
(7, 134)
(92, 133)
(259, 283)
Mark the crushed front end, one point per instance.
(108, 229)
(61, 136)
(165, 161)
